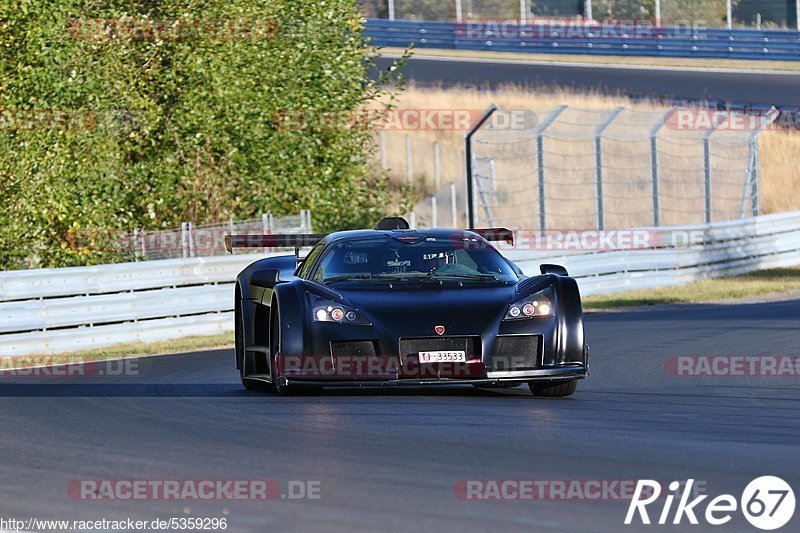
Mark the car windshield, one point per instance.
(414, 258)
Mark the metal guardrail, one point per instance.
(666, 41)
(61, 310)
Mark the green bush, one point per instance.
(122, 114)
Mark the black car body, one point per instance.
(405, 307)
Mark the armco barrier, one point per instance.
(666, 41)
(67, 309)
(63, 310)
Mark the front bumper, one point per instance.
(509, 378)
(503, 353)
(349, 371)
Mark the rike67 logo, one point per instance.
(767, 503)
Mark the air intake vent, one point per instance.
(355, 348)
(515, 352)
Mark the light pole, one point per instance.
(588, 11)
(658, 12)
(391, 9)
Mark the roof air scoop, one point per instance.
(392, 223)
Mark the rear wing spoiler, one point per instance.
(300, 240)
(496, 234)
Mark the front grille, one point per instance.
(357, 348)
(515, 352)
(470, 345)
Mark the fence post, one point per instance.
(409, 160)
(752, 179)
(729, 13)
(453, 207)
(266, 223)
(468, 162)
(185, 239)
(540, 162)
(756, 194)
(303, 222)
(412, 220)
(598, 154)
(384, 155)
(437, 166)
(707, 170)
(136, 253)
(192, 250)
(434, 217)
(308, 220)
(654, 169)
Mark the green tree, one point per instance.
(143, 114)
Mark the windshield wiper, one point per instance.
(487, 277)
(417, 276)
(345, 277)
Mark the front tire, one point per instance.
(558, 389)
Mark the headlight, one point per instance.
(535, 305)
(323, 310)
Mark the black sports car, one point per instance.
(396, 306)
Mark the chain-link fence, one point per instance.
(208, 240)
(617, 168)
(710, 13)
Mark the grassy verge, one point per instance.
(121, 351)
(764, 284)
(670, 62)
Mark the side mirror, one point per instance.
(558, 270)
(266, 279)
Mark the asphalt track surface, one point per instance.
(389, 460)
(738, 87)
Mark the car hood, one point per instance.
(416, 310)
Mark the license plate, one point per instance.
(443, 357)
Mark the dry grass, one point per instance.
(673, 62)
(779, 170)
(138, 349)
(762, 285)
